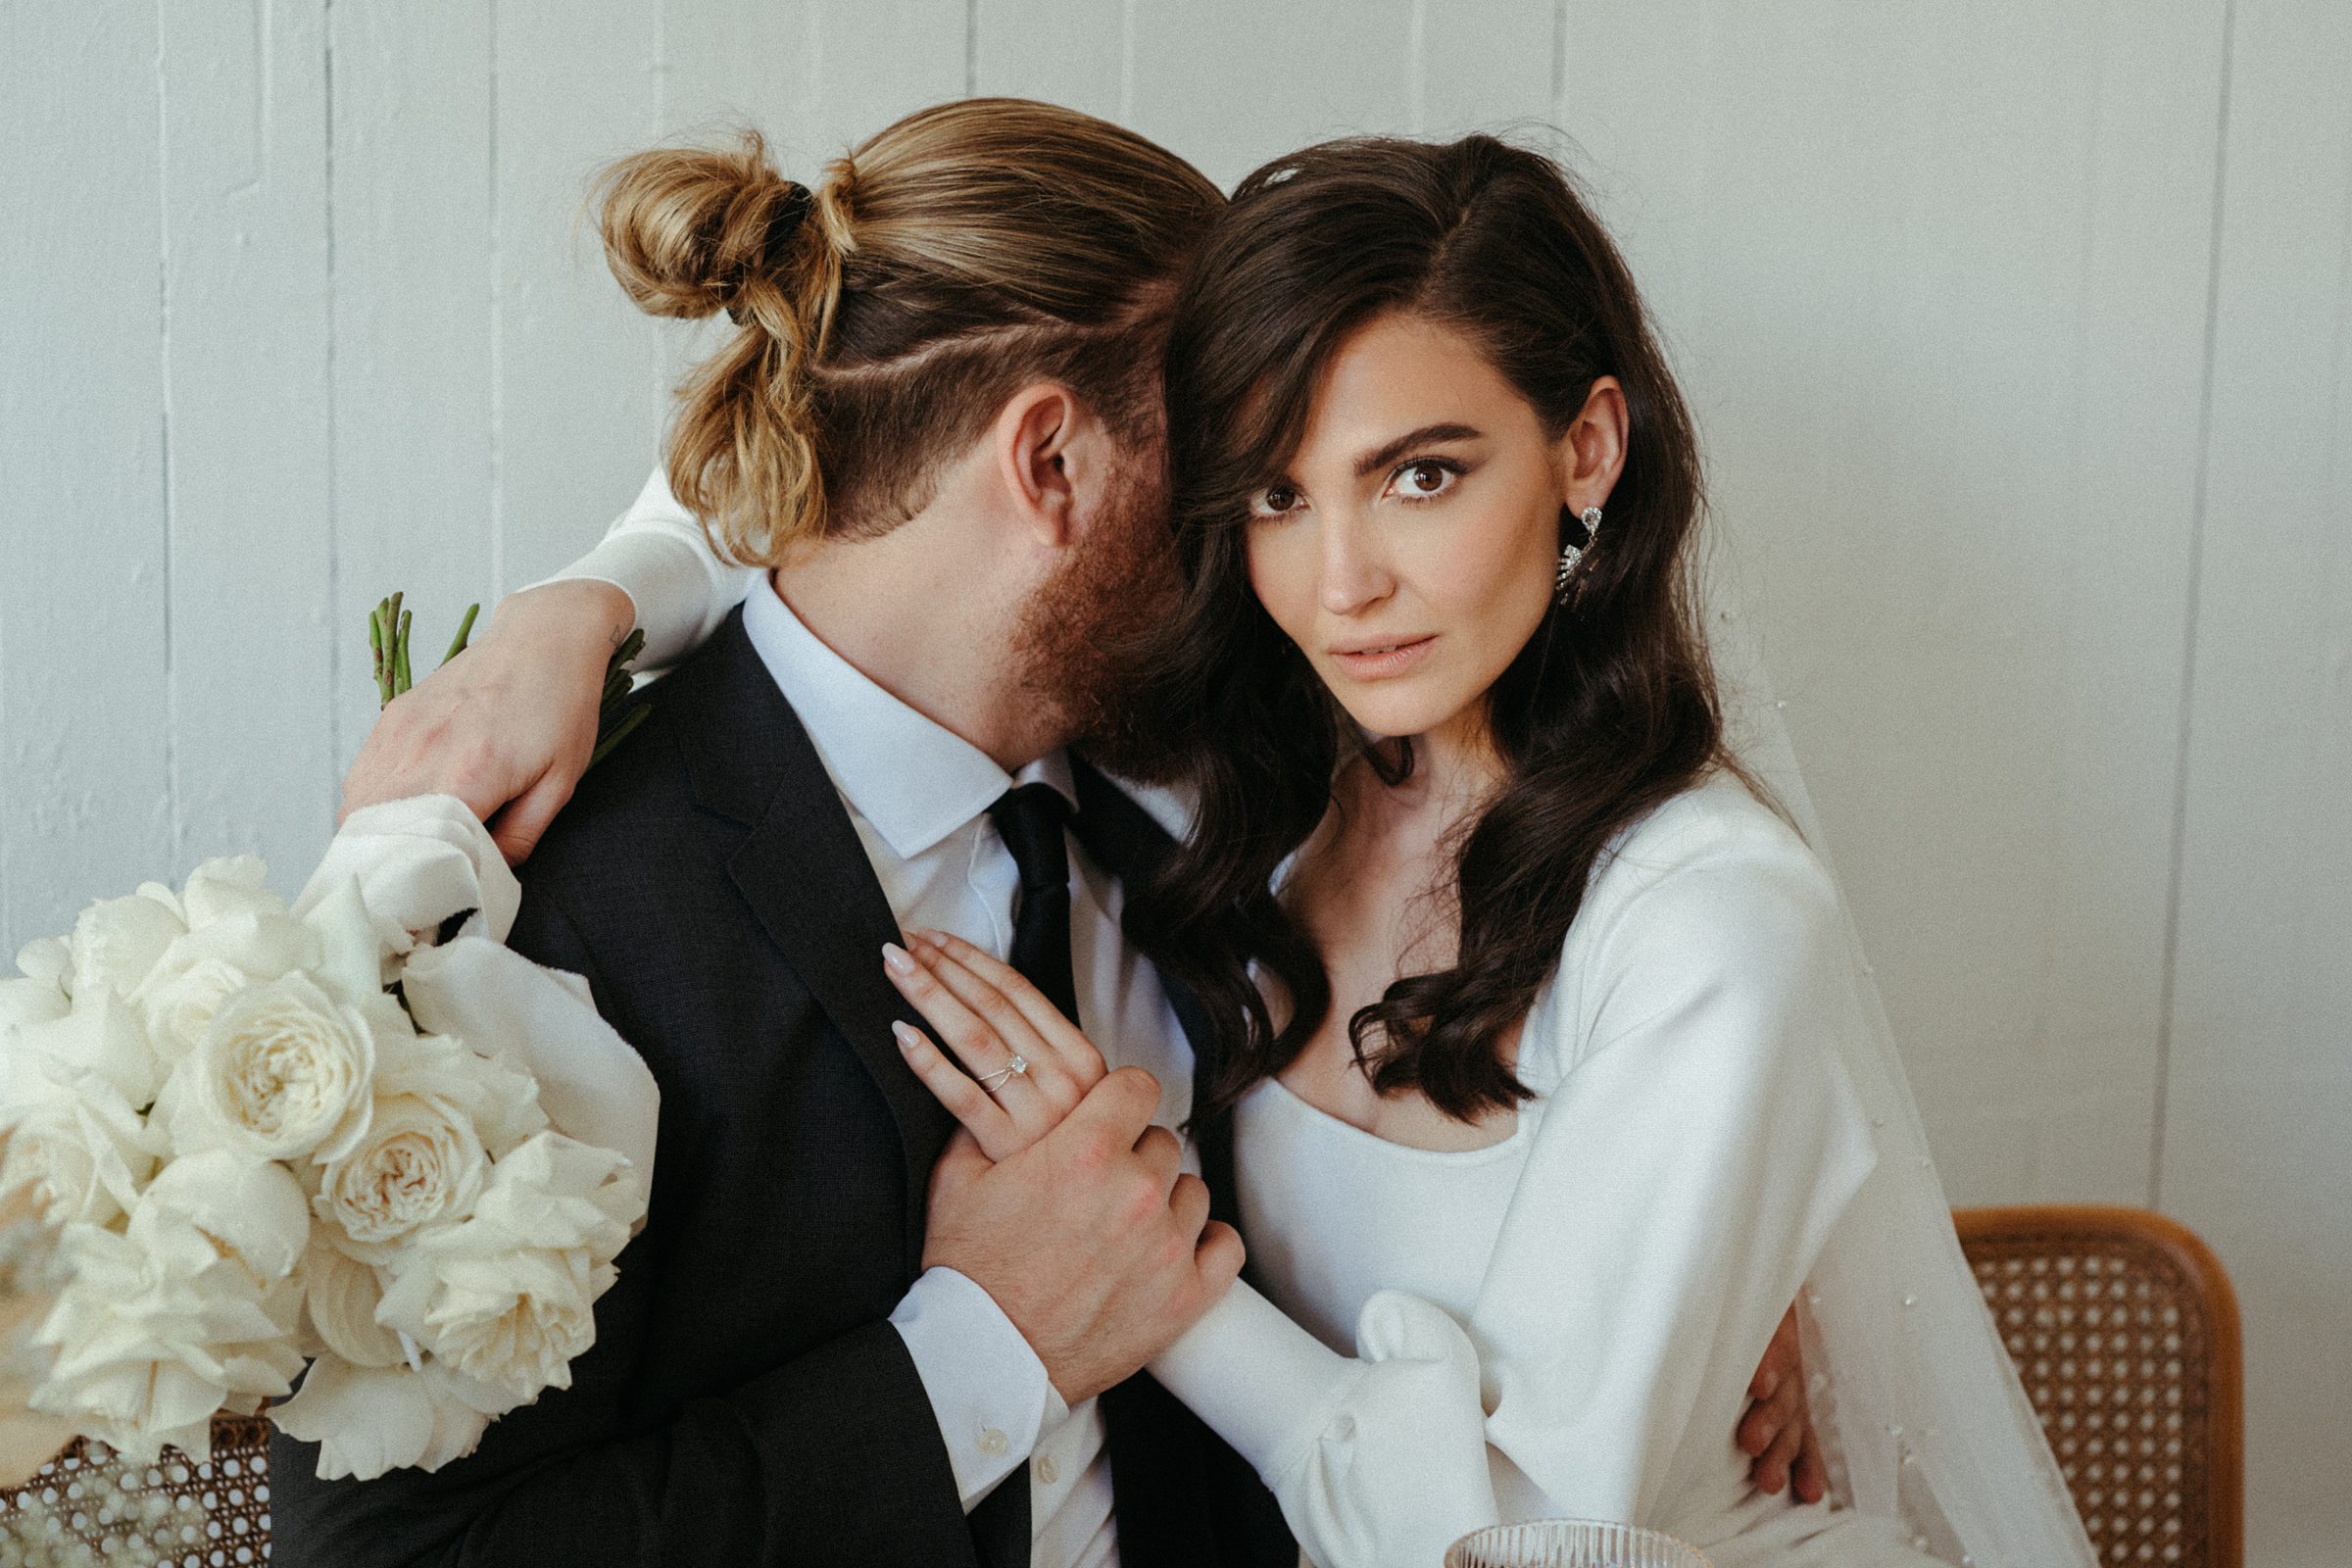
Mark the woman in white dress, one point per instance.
(1553, 1072)
(1532, 1009)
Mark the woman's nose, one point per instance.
(1355, 578)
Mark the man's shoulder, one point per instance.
(642, 805)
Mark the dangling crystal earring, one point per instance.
(1570, 554)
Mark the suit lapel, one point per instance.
(806, 878)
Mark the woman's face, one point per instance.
(1411, 547)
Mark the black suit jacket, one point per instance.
(747, 1400)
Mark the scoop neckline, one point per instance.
(1483, 1154)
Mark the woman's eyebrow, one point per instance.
(1373, 462)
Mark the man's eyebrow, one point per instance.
(1373, 462)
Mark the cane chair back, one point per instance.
(2125, 1331)
(174, 1513)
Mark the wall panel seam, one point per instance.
(335, 497)
(2188, 628)
(174, 827)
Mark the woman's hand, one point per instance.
(507, 726)
(989, 1015)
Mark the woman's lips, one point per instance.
(1380, 663)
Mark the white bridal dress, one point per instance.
(1565, 1324)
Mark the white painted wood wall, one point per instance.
(2021, 332)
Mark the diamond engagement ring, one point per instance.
(1018, 1067)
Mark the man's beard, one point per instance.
(1085, 646)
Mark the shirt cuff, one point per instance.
(987, 1390)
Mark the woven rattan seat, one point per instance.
(176, 1511)
(2125, 1331)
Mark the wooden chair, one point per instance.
(2125, 1331)
(186, 1514)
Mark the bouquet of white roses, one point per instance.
(357, 1132)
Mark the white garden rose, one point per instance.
(506, 1295)
(492, 1094)
(47, 958)
(37, 993)
(117, 941)
(285, 1071)
(75, 1142)
(208, 965)
(226, 888)
(163, 1323)
(99, 1034)
(251, 1210)
(421, 1163)
(368, 1420)
(27, 1001)
(340, 1296)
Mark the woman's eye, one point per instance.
(1419, 481)
(1273, 501)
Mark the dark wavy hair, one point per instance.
(1608, 711)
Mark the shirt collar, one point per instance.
(914, 780)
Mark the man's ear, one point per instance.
(1034, 439)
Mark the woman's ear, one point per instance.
(1036, 439)
(1592, 454)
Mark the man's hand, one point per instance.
(511, 719)
(1777, 1432)
(1091, 1241)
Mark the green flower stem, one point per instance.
(464, 630)
(621, 732)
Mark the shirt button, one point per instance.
(993, 1443)
(1046, 1470)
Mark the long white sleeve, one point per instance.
(657, 553)
(1699, 1146)
(1375, 1458)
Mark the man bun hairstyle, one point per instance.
(883, 315)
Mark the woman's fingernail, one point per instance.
(906, 1036)
(897, 959)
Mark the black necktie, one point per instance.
(1030, 817)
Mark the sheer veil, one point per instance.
(1913, 1391)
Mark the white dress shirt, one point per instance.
(918, 795)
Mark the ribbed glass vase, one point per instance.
(1570, 1544)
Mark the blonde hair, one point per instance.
(885, 313)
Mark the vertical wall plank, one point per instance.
(1482, 64)
(85, 738)
(414, 327)
(1071, 52)
(815, 75)
(2260, 1095)
(1936, 287)
(872, 61)
(245, 291)
(577, 407)
(1230, 85)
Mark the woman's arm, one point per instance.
(658, 556)
(509, 727)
